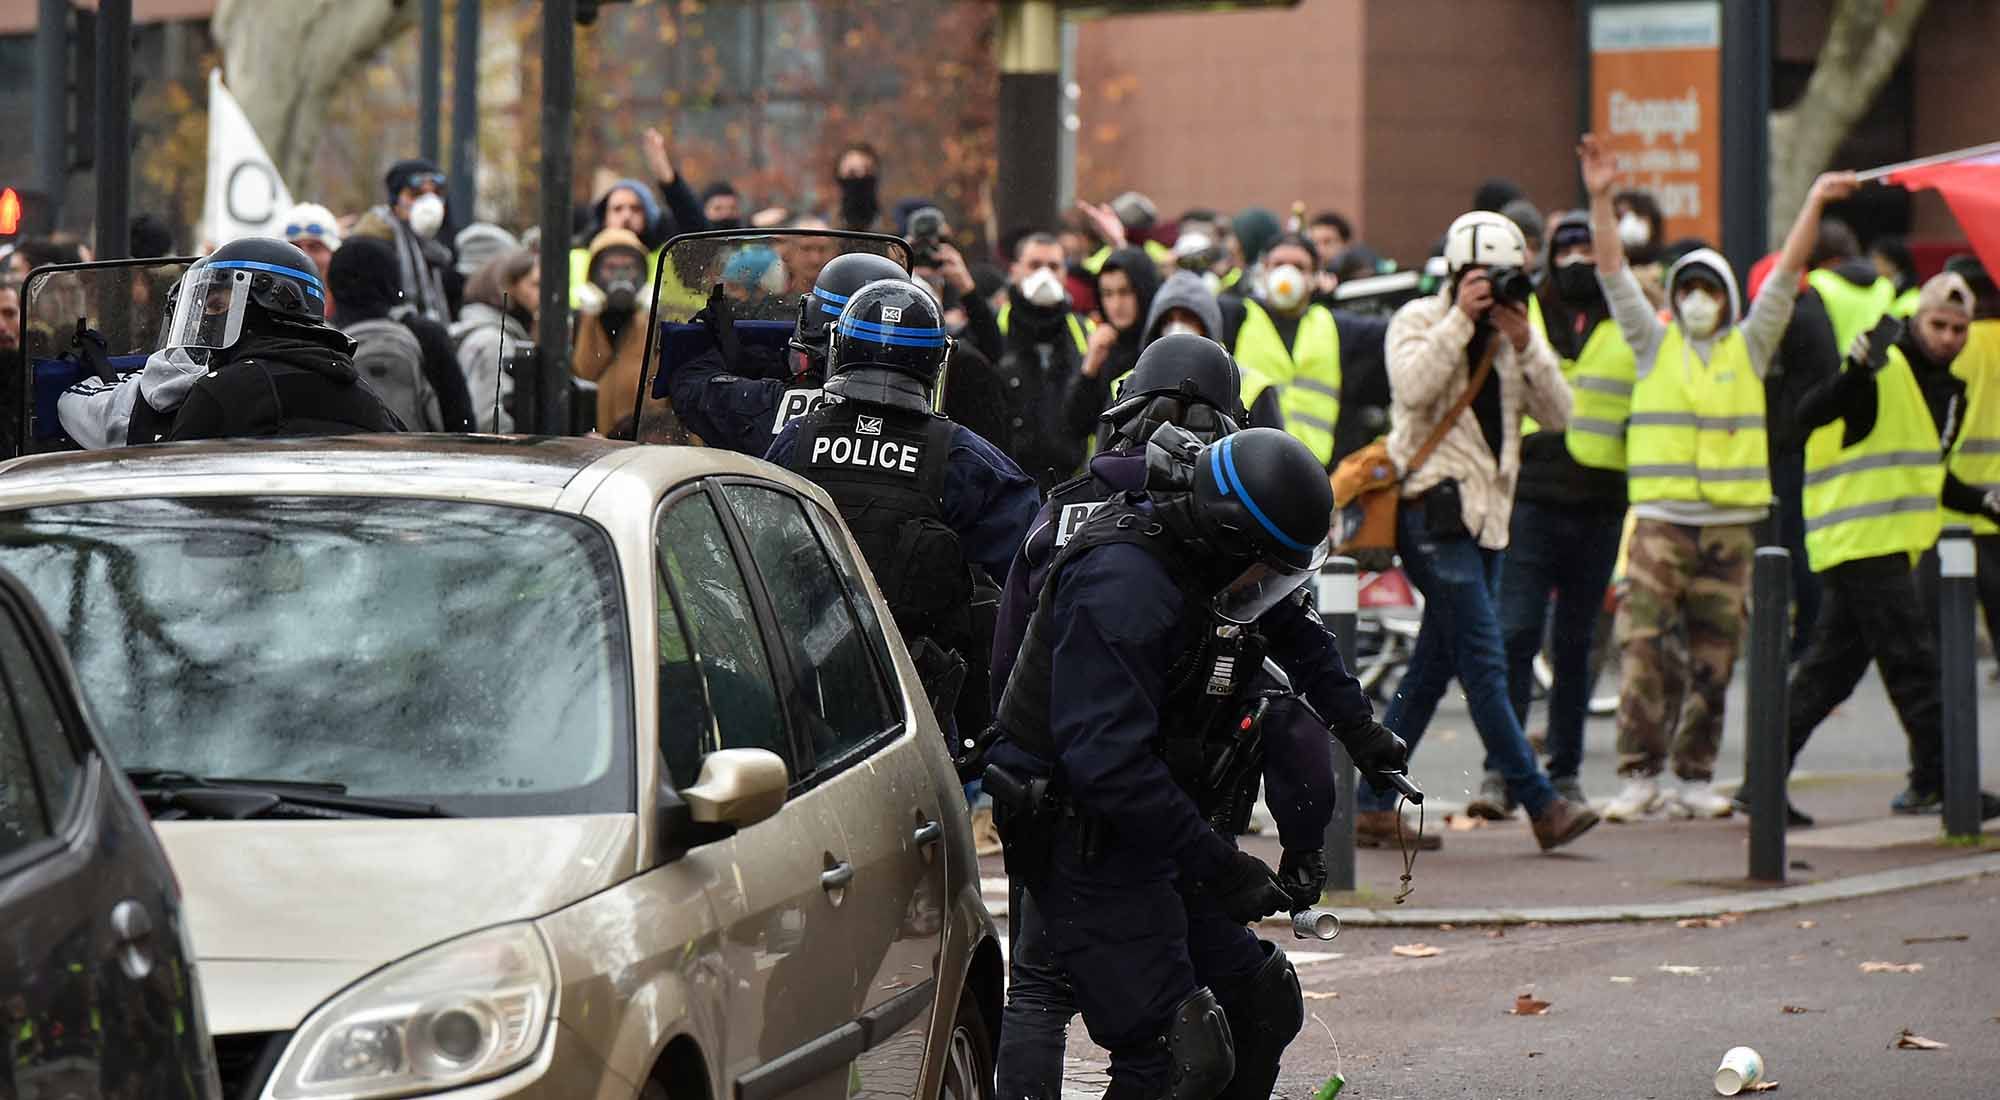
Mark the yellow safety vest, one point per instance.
(1079, 328)
(673, 296)
(1161, 255)
(1600, 386)
(1697, 429)
(1879, 496)
(1307, 375)
(1853, 309)
(1905, 304)
(1975, 454)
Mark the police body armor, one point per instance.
(885, 470)
(1209, 728)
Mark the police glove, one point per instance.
(1247, 890)
(1375, 748)
(1303, 875)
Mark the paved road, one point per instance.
(1439, 1027)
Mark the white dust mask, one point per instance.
(426, 215)
(1700, 312)
(1043, 288)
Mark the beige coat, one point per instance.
(1427, 374)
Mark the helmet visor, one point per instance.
(1263, 586)
(208, 309)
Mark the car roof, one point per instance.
(521, 460)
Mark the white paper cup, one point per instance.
(1740, 1068)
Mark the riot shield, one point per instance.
(759, 276)
(85, 320)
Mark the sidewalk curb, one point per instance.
(1784, 897)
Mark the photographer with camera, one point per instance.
(1468, 362)
(937, 262)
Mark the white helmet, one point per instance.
(1484, 239)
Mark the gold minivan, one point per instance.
(523, 767)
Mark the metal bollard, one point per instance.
(1765, 749)
(1957, 659)
(1338, 595)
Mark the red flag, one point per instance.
(1971, 187)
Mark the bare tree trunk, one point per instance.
(1864, 41)
(284, 61)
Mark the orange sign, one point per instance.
(1656, 103)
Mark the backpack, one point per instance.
(388, 357)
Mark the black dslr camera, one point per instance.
(1511, 285)
(926, 232)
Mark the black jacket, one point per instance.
(1052, 408)
(298, 382)
(1548, 474)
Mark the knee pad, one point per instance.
(1265, 1012)
(1198, 1042)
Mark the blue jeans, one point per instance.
(1460, 637)
(1570, 552)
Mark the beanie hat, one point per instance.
(479, 243)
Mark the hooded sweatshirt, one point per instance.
(285, 380)
(1763, 327)
(1145, 277)
(1183, 290)
(611, 347)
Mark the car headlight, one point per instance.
(463, 1011)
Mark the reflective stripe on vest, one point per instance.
(1697, 429)
(1853, 309)
(1600, 386)
(1079, 330)
(1307, 376)
(1975, 454)
(1880, 495)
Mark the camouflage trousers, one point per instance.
(1681, 583)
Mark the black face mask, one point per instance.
(1576, 284)
(858, 202)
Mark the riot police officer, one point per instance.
(1152, 615)
(926, 498)
(739, 397)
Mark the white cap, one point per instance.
(1484, 239)
(309, 221)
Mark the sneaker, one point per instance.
(1914, 801)
(985, 838)
(1640, 797)
(1697, 798)
(1377, 829)
(1562, 822)
(1569, 787)
(1492, 802)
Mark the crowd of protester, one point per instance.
(1525, 511)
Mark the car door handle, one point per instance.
(929, 833)
(836, 877)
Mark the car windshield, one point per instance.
(470, 655)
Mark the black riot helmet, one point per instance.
(210, 305)
(889, 345)
(1259, 513)
(1183, 379)
(838, 280)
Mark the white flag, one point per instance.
(245, 197)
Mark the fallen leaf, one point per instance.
(1463, 823)
(1536, 924)
(1722, 921)
(1622, 979)
(1910, 1040)
(1796, 1010)
(1669, 968)
(1808, 924)
(1761, 1086)
(1319, 995)
(1525, 1005)
(1497, 934)
(1959, 937)
(1877, 967)
(1446, 927)
(1414, 951)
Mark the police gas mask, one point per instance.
(426, 215)
(1287, 287)
(1043, 288)
(1170, 455)
(620, 275)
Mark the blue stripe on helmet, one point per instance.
(824, 308)
(899, 339)
(311, 280)
(829, 296)
(1228, 462)
(906, 330)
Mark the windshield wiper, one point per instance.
(173, 794)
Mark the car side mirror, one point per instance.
(737, 788)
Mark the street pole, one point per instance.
(464, 177)
(114, 129)
(51, 110)
(1746, 112)
(430, 78)
(1030, 113)
(1339, 601)
(544, 413)
(1957, 660)
(1766, 749)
